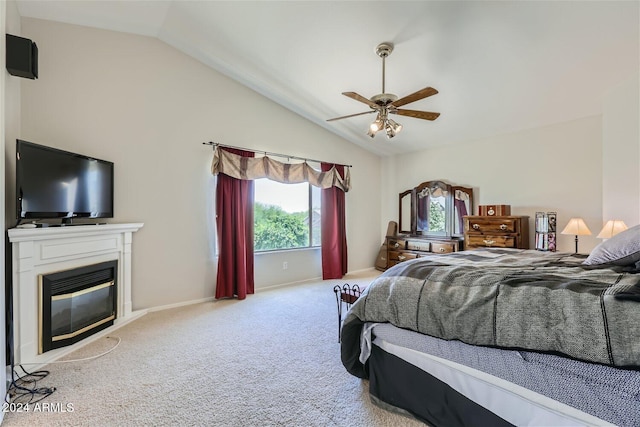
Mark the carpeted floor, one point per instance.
(270, 360)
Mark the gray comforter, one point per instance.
(509, 298)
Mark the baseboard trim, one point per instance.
(179, 304)
(260, 289)
(363, 270)
(316, 279)
(283, 285)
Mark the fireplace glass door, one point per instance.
(77, 303)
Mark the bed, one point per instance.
(504, 337)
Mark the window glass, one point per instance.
(316, 194)
(281, 215)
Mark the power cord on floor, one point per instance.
(25, 390)
(83, 359)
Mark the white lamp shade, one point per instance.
(611, 228)
(576, 226)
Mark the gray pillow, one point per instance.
(621, 249)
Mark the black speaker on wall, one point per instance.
(22, 57)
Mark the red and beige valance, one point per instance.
(250, 168)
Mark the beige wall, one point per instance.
(147, 107)
(3, 28)
(621, 153)
(10, 124)
(12, 119)
(554, 168)
(588, 167)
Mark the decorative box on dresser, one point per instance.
(403, 248)
(496, 231)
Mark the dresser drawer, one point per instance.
(397, 244)
(492, 225)
(405, 247)
(401, 256)
(491, 241)
(443, 248)
(419, 245)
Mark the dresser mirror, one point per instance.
(462, 205)
(433, 204)
(404, 218)
(435, 209)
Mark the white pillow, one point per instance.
(621, 249)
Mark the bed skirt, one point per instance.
(455, 384)
(415, 393)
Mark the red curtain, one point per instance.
(234, 221)
(334, 236)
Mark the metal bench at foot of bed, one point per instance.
(346, 295)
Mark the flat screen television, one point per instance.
(52, 183)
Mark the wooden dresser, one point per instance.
(496, 231)
(403, 248)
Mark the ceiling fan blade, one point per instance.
(416, 96)
(426, 115)
(351, 115)
(361, 98)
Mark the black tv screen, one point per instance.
(52, 183)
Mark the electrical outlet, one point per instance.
(285, 265)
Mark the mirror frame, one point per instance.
(400, 225)
(469, 192)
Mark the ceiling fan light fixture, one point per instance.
(390, 133)
(391, 128)
(377, 125)
(397, 127)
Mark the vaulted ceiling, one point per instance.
(499, 66)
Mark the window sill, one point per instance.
(278, 251)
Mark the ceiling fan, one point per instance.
(388, 103)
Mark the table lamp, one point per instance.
(611, 228)
(577, 227)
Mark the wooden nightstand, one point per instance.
(496, 231)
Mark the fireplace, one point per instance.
(76, 303)
(37, 252)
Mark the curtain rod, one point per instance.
(268, 153)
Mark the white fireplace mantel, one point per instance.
(37, 251)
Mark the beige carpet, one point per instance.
(271, 360)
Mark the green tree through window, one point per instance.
(286, 216)
(277, 229)
(436, 217)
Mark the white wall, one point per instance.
(554, 168)
(3, 373)
(12, 119)
(147, 107)
(10, 123)
(621, 153)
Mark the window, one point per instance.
(286, 216)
